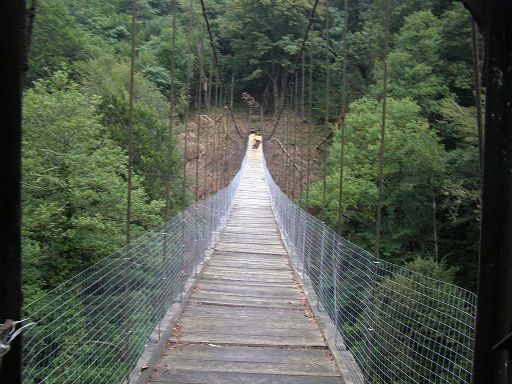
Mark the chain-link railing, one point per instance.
(95, 327)
(399, 326)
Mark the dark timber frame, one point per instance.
(493, 340)
(12, 48)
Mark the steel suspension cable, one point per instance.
(127, 331)
(198, 112)
(327, 62)
(294, 159)
(327, 97)
(298, 58)
(382, 130)
(172, 122)
(172, 110)
(130, 119)
(219, 69)
(310, 123)
(324, 176)
(207, 140)
(302, 119)
(286, 138)
(303, 87)
(224, 148)
(343, 114)
(187, 115)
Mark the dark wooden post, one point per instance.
(493, 340)
(12, 47)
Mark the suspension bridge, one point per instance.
(246, 287)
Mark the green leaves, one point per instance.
(265, 36)
(74, 183)
(414, 164)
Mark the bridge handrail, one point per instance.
(94, 327)
(392, 325)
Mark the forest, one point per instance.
(76, 113)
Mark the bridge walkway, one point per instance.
(247, 320)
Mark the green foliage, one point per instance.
(461, 191)
(265, 38)
(414, 63)
(74, 184)
(57, 40)
(414, 325)
(153, 158)
(455, 50)
(414, 165)
(431, 165)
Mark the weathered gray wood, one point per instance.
(197, 377)
(237, 353)
(246, 301)
(240, 312)
(252, 248)
(244, 290)
(247, 320)
(238, 282)
(251, 263)
(262, 340)
(249, 360)
(247, 255)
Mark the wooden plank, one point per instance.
(262, 263)
(246, 255)
(246, 321)
(249, 274)
(269, 272)
(249, 360)
(195, 377)
(253, 354)
(250, 230)
(310, 333)
(233, 312)
(246, 301)
(265, 250)
(264, 272)
(206, 322)
(241, 283)
(250, 239)
(237, 278)
(252, 259)
(247, 290)
(253, 339)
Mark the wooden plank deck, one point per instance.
(248, 320)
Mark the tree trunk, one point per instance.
(434, 227)
(232, 96)
(275, 88)
(284, 87)
(210, 87)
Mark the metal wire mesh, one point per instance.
(94, 327)
(399, 326)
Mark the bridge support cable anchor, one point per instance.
(8, 332)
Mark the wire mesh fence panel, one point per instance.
(95, 326)
(398, 325)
